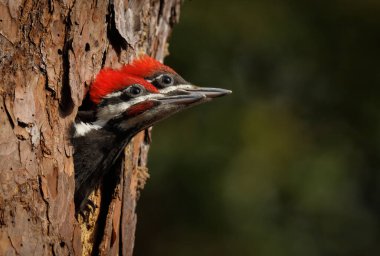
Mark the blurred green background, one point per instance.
(289, 163)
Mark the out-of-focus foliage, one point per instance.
(289, 164)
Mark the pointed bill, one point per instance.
(182, 99)
(210, 92)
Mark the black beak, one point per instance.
(185, 99)
(210, 92)
(165, 104)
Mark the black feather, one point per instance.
(94, 156)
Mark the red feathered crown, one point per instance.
(110, 80)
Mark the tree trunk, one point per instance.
(49, 53)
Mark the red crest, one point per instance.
(110, 80)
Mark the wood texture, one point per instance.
(49, 53)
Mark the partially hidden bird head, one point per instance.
(142, 93)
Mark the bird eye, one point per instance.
(167, 80)
(135, 90)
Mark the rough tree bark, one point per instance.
(49, 53)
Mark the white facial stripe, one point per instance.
(114, 94)
(156, 78)
(176, 87)
(108, 112)
(82, 128)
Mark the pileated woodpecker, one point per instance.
(126, 101)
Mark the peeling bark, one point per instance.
(50, 52)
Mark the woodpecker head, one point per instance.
(127, 101)
(140, 94)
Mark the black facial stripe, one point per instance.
(111, 101)
(157, 84)
(156, 80)
(119, 98)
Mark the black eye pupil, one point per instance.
(166, 79)
(135, 90)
